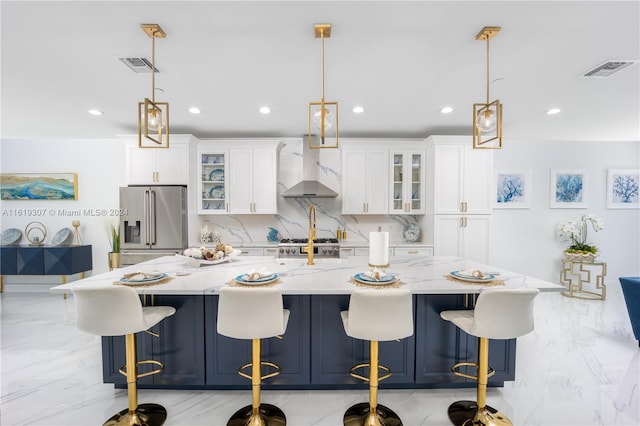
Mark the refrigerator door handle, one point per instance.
(152, 218)
(146, 215)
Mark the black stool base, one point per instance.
(359, 415)
(145, 415)
(270, 415)
(466, 413)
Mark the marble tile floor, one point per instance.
(579, 367)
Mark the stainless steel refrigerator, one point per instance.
(153, 222)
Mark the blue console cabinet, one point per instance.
(314, 352)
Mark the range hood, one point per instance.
(309, 187)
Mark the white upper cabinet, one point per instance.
(365, 181)
(461, 176)
(157, 166)
(243, 178)
(407, 182)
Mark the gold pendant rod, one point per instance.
(153, 68)
(487, 70)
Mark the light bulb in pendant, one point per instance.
(329, 119)
(486, 120)
(155, 121)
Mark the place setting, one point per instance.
(253, 278)
(143, 278)
(376, 278)
(474, 276)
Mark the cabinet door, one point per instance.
(407, 182)
(477, 181)
(447, 170)
(447, 235)
(354, 181)
(212, 182)
(172, 165)
(240, 181)
(265, 181)
(476, 238)
(141, 165)
(377, 189)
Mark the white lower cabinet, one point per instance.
(270, 251)
(465, 236)
(414, 250)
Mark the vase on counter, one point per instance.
(114, 260)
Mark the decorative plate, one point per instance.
(217, 192)
(149, 280)
(10, 236)
(261, 281)
(470, 278)
(192, 261)
(411, 233)
(216, 174)
(387, 279)
(61, 237)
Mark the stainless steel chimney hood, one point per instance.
(309, 187)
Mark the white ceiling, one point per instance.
(402, 61)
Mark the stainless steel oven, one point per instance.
(322, 248)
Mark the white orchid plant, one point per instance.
(576, 230)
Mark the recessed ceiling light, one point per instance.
(358, 110)
(446, 110)
(265, 110)
(95, 112)
(553, 111)
(194, 110)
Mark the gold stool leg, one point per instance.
(371, 413)
(257, 414)
(469, 413)
(136, 415)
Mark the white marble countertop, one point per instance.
(420, 274)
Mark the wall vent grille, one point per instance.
(608, 68)
(138, 65)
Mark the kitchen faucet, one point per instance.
(312, 235)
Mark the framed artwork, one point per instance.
(622, 188)
(567, 189)
(512, 189)
(39, 186)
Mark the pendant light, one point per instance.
(323, 116)
(487, 117)
(153, 117)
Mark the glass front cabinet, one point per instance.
(212, 182)
(407, 182)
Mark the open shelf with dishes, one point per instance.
(212, 183)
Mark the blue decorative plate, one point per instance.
(411, 233)
(10, 236)
(151, 279)
(217, 174)
(61, 237)
(217, 192)
(242, 279)
(470, 278)
(387, 279)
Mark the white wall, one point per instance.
(522, 240)
(525, 240)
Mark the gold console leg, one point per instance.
(257, 414)
(136, 415)
(478, 413)
(371, 413)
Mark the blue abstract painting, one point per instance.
(568, 189)
(44, 186)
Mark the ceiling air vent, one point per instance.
(138, 65)
(608, 68)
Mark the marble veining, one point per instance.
(580, 366)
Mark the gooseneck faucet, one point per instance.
(312, 235)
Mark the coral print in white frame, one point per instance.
(567, 189)
(622, 188)
(512, 189)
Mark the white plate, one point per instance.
(387, 279)
(262, 281)
(472, 279)
(10, 236)
(61, 237)
(192, 261)
(149, 280)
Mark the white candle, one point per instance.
(379, 249)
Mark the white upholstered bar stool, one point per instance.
(253, 313)
(376, 315)
(117, 311)
(499, 313)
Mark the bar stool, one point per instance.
(376, 315)
(117, 311)
(253, 313)
(499, 313)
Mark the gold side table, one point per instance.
(576, 277)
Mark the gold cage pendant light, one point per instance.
(323, 115)
(153, 117)
(487, 117)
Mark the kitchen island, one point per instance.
(314, 353)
